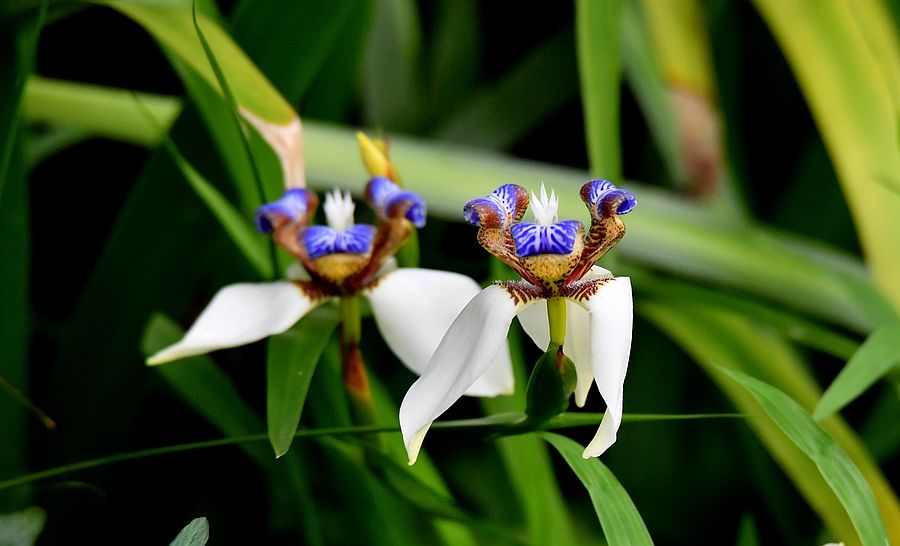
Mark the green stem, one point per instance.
(353, 369)
(556, 315)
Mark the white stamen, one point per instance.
(339, 210)
(544, 208)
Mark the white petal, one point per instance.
(476, 337)
(576, 346)
(611, 318)
(240, 314)
(414, 308)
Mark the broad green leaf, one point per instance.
(22, 528)
(597, 25)
(879, 354)
(621, 522)
(392, 74)
(503, 114)
(173, 27)
(851, 86)
(101, 111)
(195, 533)
(717, 337)
(842, 476)
(292, 358)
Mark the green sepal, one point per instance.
(552, 382)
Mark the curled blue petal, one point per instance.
(290, 207)
(322, 240)
(411, 202)
(499, 209)
(378, 190)
(597, 192)
(532, 239)
(388, 199)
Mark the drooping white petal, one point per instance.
(414, 308)
(473, 341)
(611, 318)
(239, 314)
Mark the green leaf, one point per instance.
(621, 522)
(844, 60)
(392, 80)
(291, 362)
(195, 533)
(717, 337)
(22, 528)
(173, 27)
(878, 355)
(838, 470)
(597, 36)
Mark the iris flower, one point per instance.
(412, 307)
(560, 285)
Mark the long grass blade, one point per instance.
(842, 476)
(621, 522)
(597, 36)
(879, 354)
(851, 88)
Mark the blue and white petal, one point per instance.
(322, 240)
(611, 320)
(390, 200)
(473, 342)
(414, 308)
(499, 209)
(600, 194)
(292, 206)
(240, 314)
(532, 239)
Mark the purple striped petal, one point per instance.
(601, 195)
(290, 207)
(558, 238)
(322, 240)
(500, 209)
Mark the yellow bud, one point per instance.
(373, 155)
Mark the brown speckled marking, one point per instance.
(521, 291)
(499, 242)
(605, 232)
(583, 290)
(312, 290)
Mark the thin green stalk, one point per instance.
(487, 424)
(556, 315)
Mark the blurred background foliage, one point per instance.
(760, 138)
